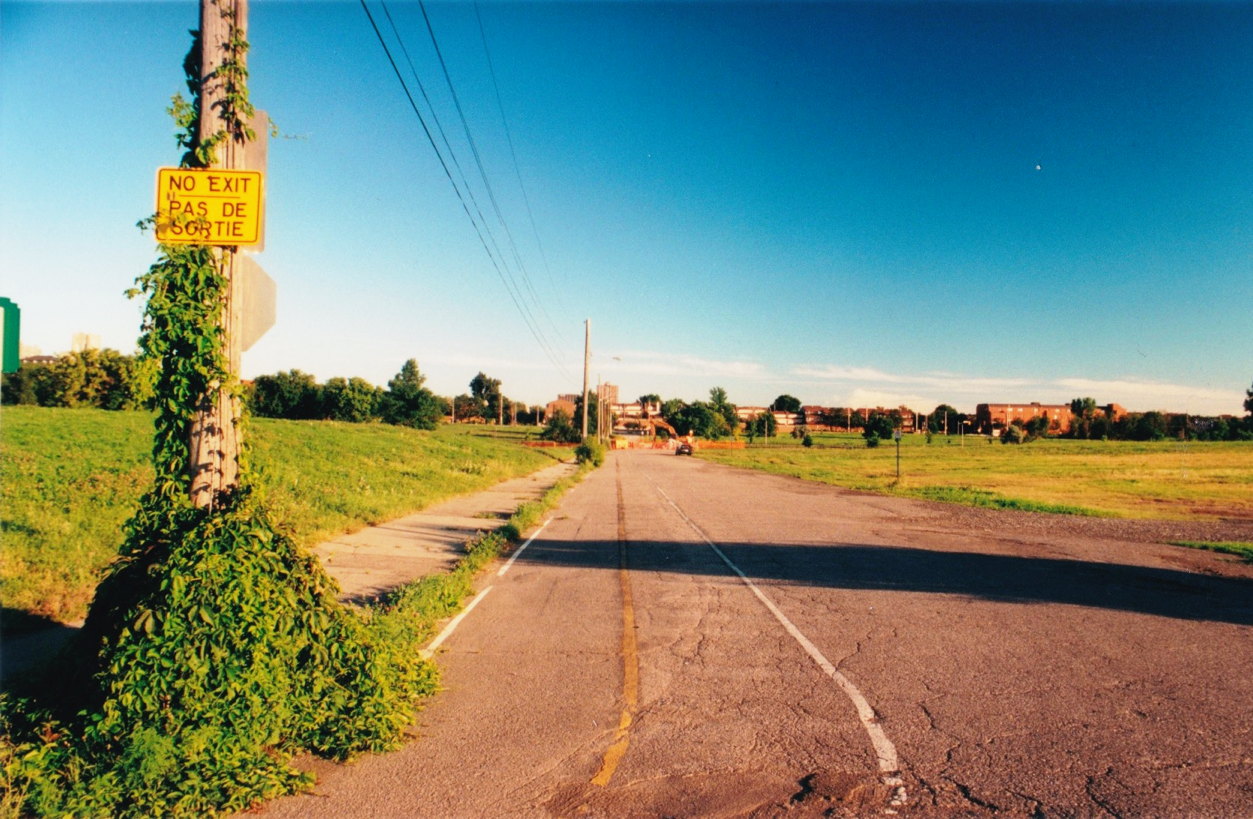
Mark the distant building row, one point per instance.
(991, 417)
(988, 418)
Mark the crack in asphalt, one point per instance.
(1037, 807)
(1090, 787)
(969, 796)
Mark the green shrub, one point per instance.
(590, 451)
(213, 652)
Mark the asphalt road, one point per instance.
(687, 639)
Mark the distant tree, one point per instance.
(671, 408)
(841, 417)
(467, 407)
(1036, 427)
(1146, 426)
(131, 381)
(763, 426)
(786, 403)
(486, 392)
(21, 387)
(718, 427)
(91, 378)
(1083, 412)
(71, 383)
(407, 402)
(1083, 407)
(293, 394)
(1242, 429)
(1210, 429)
(1014, 434)
(592, 414)
(529, 415)
(877, 427)
(694, 419)
(719, 404)
(560, 427)
(355, 400)
(944, 417)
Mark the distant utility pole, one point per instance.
(587, 358)
(215, 433)
(600, 410)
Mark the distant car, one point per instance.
(683, 449)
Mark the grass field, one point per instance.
(71, 478)
(1164, 479)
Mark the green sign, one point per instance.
(12, 335)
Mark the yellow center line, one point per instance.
(630, 656)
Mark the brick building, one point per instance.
(562, 404)
(989, 417)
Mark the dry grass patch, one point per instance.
(1158, 480)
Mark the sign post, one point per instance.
(11, 315)
(213, 448)
(896, 433)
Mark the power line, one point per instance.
(523, 312)
(510, 284)
(503, 267)
(526, 200)
(478, 161)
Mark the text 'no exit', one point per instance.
(209, 206)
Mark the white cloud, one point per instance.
(653, 363)
(869, 386)
(1138, 394)
(862, 397)
(839, 372)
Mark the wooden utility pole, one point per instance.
(215, 433)
(587, 357)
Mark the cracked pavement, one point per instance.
(1074, 671)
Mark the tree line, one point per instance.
(1089, 422)
(107, 379)
(296, 395)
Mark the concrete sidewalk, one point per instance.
(366, 563)
(377, 559)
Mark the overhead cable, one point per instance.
(526, 200)
(478, 161)
(479, 230)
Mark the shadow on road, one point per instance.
(1003, 578)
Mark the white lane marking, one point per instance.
(889, 767)
(522, 548)
(427, 652)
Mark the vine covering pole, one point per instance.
(215, 430)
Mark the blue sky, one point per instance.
(853, 203)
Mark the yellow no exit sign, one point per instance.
(208, 206)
